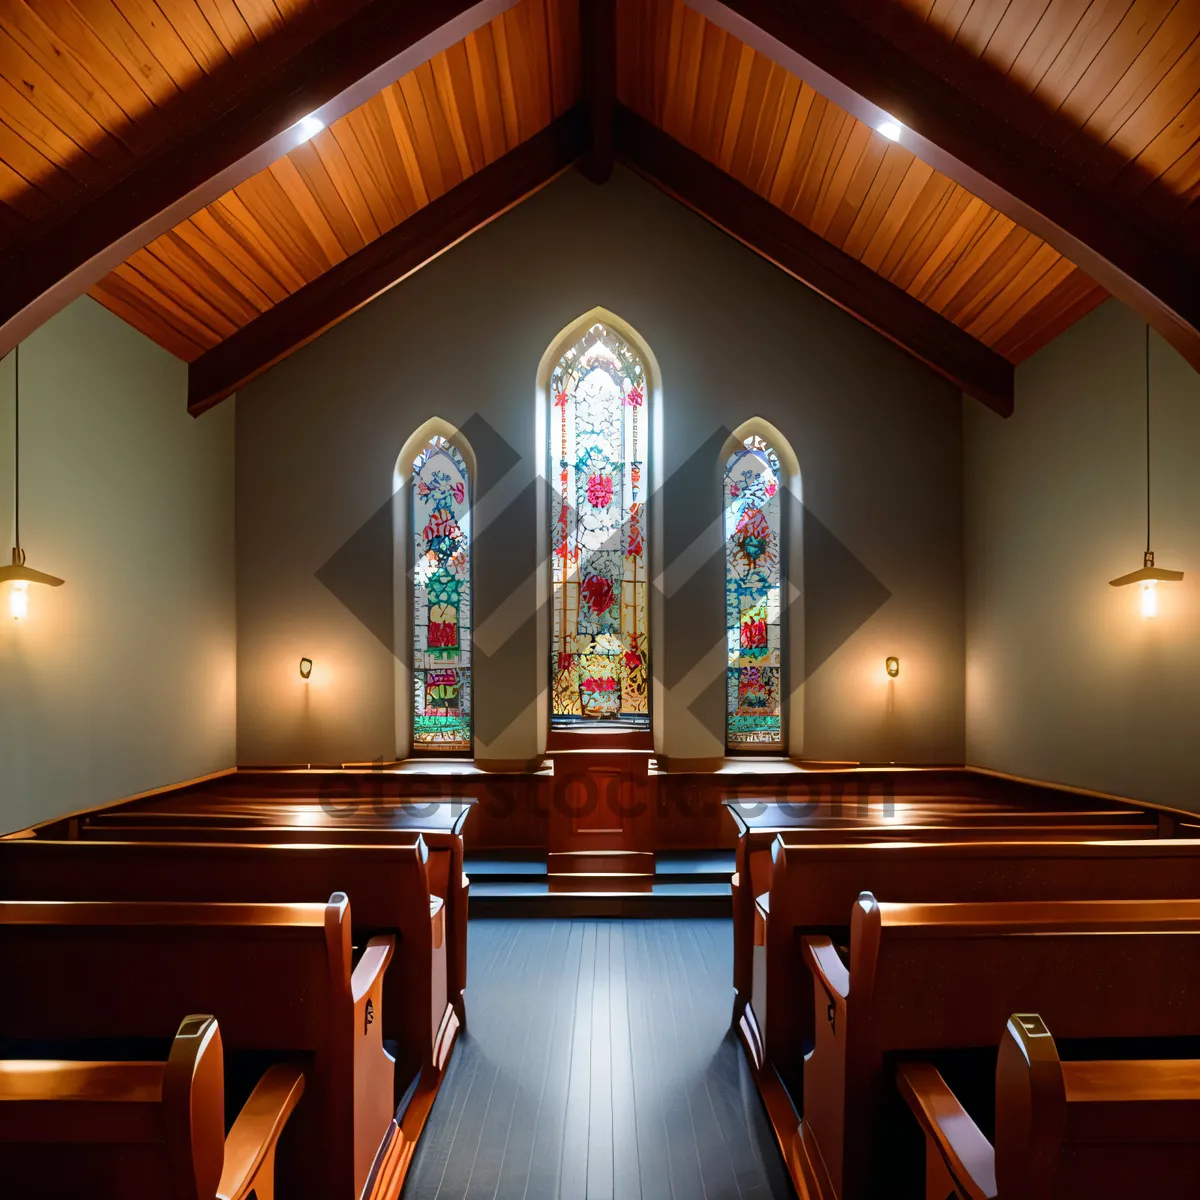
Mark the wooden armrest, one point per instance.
(826, 964)
(968, 1155)
(372, 965)
(250, 1146)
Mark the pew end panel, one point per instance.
(374, 1068)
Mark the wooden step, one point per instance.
(566, 862)
(601, 881)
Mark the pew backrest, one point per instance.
(387, 884)
(278, 977)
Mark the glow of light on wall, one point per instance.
(891, 129)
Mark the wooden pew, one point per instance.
(388, 887)
(114, 1130)
(440, 824)
(1106, 1130)
(278, 977)
(761, 822)
(814, 887)
(930, 978)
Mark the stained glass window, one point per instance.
(599, 435)
(753, 579)
(441, 531)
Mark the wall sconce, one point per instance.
(891, 665)
(306, 669)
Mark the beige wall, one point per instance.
(123, 679)
(877, 436)
(1065, 680)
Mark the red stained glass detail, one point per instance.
(597, 593)
(599, 490)
(754, 634)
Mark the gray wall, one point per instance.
(878, 438)
(123, 679)
(1065, 680)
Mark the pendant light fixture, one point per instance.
(1149, 576)
(19, 575)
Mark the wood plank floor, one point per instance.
(598, 1063)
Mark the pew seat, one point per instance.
(813, 889)
(1106, 1130)
(280, 979)
(438, 824)
(152, 1130)
(928, 978)
(388, 886)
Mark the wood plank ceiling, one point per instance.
(266, 238)
(851, 185)
(86, 86)
(1112, 87)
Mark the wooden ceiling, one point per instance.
(1039, 134)
(869, 196)
(1110, 86)
(409, 144)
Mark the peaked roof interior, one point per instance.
(156, 156)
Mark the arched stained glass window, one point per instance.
(753, 589)
(441, 532)
(599, 439)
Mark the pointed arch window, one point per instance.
(599, 443)
(754, 571)
(440, 507)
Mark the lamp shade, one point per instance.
(20, 573)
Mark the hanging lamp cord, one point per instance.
(17, 445)
(1147, 438)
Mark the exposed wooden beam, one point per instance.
(758, 224)
(598, 47)
(866, 74)
(237, 125)
(381, 264)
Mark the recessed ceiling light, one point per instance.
(890, 129)
(309, 127)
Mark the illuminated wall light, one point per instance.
(1150, 598)
(891, 665)
(306, 669)
(18, 600)
(891, 129)
(309, 127)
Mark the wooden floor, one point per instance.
(598, 1062)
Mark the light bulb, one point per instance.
(890, 128)
(18, 600)
(1149, 598)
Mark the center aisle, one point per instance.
(598, 1062)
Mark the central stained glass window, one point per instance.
(599, 435)
(441, 530)
(753, 585)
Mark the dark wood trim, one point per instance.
(598, 49)
(767, 230)
(865, 73)
(381, 264)
(236, 124)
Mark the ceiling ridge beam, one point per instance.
(769, 231)
(251, 127)
(865, 73)
(381, 264)
(598, 50)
